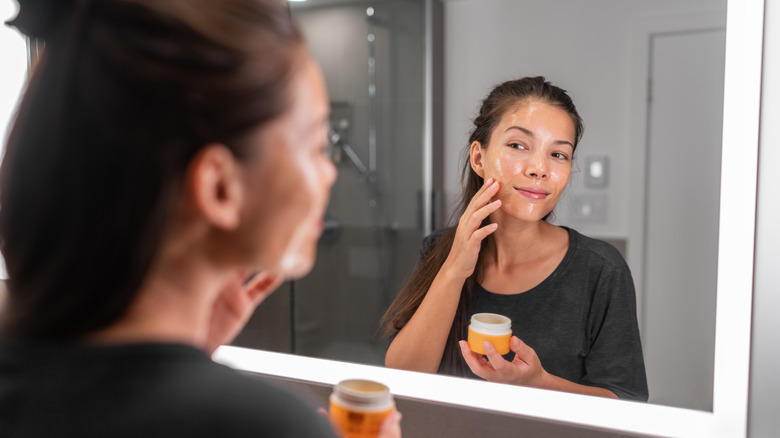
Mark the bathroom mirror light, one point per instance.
(728, 417)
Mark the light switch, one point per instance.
(596, 171)
(589, 207)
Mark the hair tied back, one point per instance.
(42, 18)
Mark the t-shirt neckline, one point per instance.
(556, 273)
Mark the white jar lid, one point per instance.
(362, 395)
(491, 324)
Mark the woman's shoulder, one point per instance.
(435, 237)
(177, 389)
(250, 404)
(594, 248)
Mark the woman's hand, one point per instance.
(525, 369)
(468, 236)
(235, 304)
(390, 428)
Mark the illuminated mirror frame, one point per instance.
(742, 87)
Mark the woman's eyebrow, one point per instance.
(566, 142)
(531, 134)
(528, 132)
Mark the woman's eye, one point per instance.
(516, 146)
(560, 156)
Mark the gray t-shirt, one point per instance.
(141, 390)
(581, 320)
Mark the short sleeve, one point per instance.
(615, 360)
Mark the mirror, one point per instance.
(644, 34)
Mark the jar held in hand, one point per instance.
(358, 407)
(491, 327)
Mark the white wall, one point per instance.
(13, 53)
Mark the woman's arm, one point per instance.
(420, 344)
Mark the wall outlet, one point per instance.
(596, 171)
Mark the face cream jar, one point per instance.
(491, 327)
(358, 407)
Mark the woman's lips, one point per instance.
(532, 193)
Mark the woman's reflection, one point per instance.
(570, 297)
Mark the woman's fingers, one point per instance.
(479, 209)
(472, 359)
(470, 232)
(261, 286)
(485, 231)
(482, 198)
(497, 362)
(522, 350)
(391, 426)
(480, 215)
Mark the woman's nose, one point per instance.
(537, 167)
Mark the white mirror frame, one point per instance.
(742, 88)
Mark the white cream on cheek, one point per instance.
(298, 256)
(557, 176)
(294, 264)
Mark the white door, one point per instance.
(685, 106)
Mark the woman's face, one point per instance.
(529, 154)
(290, 184)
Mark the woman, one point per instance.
(570, 298)
(161, 153)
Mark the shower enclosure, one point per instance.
(372, 54)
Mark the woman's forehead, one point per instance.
(533, 115)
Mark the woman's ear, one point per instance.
(476, 157)
(214, 180)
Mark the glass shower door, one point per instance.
(372, 55)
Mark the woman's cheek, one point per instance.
(560, 176)
(295, 261)
(300, 252)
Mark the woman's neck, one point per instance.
(515, 243)
(174, 303)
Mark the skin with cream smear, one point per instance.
(529, 155)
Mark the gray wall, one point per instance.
(764, 408)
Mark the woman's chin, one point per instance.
(296, 265)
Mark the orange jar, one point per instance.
(358, 407)
(491, 327)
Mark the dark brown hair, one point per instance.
(503, 97)
(127, 93)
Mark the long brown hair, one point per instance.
(501, 98)
(127, 93)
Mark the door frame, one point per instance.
(643, 30)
